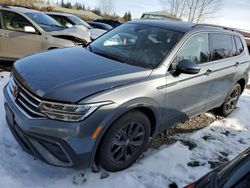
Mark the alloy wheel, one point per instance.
(232, 100)
(127, 142)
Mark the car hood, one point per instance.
(76, 32)
(71, 74)
(95, 33)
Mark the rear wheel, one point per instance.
(231, 101)
(125, 141)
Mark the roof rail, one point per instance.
(21, 6)
(212, 25)
(4, 5)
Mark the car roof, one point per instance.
(177, 26)
(180, 25)
(22, 9)
(59, 14)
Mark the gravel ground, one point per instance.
(194, 124)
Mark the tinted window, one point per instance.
(195, 49)
(97, 26)
(239, 45)
(243, 183)
(221, 46)
(137, 44)
(13, 21)
(79, 21)
(234, 49)
(62, 20)
(46, 22)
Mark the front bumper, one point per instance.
(66, 144)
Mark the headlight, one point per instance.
(69, 112)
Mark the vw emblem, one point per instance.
(15, 92)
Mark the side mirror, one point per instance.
(187, 67)
(29, 29)
(68, 25)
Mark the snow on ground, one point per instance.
(157, 169)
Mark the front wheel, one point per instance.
(125, 141)
(231, 101)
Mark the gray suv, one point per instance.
(100, 104)
(24, 31)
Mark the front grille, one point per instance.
(26, 101)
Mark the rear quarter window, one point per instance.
(239, 46)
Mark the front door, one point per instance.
(14, 41)
(186, 93)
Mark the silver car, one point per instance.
(101, 104)
(69, 20)
(25, 31)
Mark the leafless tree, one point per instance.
(175, 8)
(193, 10)
(106, 6)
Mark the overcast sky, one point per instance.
(235, 13)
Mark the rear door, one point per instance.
(186, 93)
(14, 41)
(222, 68)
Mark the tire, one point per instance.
(230, 103)
(125, 141)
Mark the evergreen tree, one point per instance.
(129, 18)
(125, 17)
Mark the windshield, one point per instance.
(79, 21)
(45, 22)
(136, 44)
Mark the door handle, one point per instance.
(208, 72)
(237, 64)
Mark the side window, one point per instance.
(239, 45)
(99, 26)
(64, 21)
(13, 21)
(221, 46)
(195, 49)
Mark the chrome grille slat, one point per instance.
(25, 101)
(32, 111)
(31, 103)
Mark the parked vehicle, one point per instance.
(25, 31)
(69, 20)
(101, 104)
(99, 25)
(113, 23)
(234, 174)
(159, 15)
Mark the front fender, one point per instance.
(122, 109)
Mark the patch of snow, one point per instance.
(157, 169)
